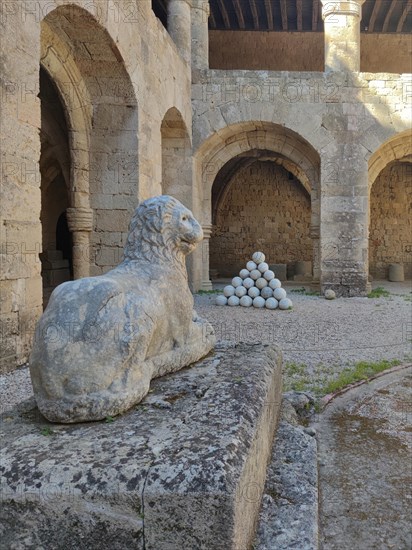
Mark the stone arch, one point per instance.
(390, 210)
(176, 157)
(100, 106)
(264, 139)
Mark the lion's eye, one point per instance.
(184, 218)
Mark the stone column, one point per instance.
(179, 26)
(206, 282)
(200, 34)
(80, 222)
(342, 34)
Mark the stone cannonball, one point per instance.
(258, 257)
(266, 292)
(229, 290)
(261, 283)
(262, 267)
(253, 292)
(330, 294)
(269, 275)
(246, 301)
(237, 281)
(275, 283)
(255, 274)
(259, 302)
(285, 303)
(251, 266)
(233, 301)
(248, 282)
(240, 291)
(221, 300)
(271, 303)
(243, 273)
(279, 293)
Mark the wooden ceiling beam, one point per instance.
(239, 14)
(224, 13)
(374, 15)
(388, 16)
(269, 14)
(406, 10)
(299, 14)
(284, 12)
(255, 14)
(315, 15)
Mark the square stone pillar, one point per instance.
(344, 220)
(200, 34)
(342, 34)
(179, 26)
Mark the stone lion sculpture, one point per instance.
(102, 339)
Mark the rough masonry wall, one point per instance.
(303, 51)
(390, 237)
(264, 209)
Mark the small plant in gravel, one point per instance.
(295, 369)
(46, 431)
(202, 292)
(304, 292)
(379, 292)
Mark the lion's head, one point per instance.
(162, 228)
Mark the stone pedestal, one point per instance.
(80, 222)
(184, 469)
(200, 34)
(179, 26)
(342, 34)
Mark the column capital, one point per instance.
(207, 230)
(337, 7)
(80, 219)
(188, 2)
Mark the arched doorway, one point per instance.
(259, 204)
(390, 206)
(101, 167)
(176, 158)
(264, 142)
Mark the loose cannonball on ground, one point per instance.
(271, 303)
(266, 292)
(255, 274)
(285, 303)
(253, 292)
(246, 301)
(258, 257)
(262, 267)
(240, 291)
(229, 290)
(233, 301)
(261, 283)
(330, 294)
(259, 302)
(279, 293)
(251, 266)
(248, 282)
(269, 275)
(243, 273)
(275, 283)
(221, 300)
(237, 281)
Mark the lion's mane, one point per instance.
(151, 233)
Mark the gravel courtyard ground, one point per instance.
(319, 338)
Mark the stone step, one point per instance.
(51, 255)
(183, 469)
(55, 264)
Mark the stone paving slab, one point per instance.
(174, 472)
(365, 467)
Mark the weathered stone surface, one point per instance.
(184, 469)
(102, 339)
(289, 513)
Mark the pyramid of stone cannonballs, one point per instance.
(255, 286)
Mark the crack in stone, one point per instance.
(143, 506)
